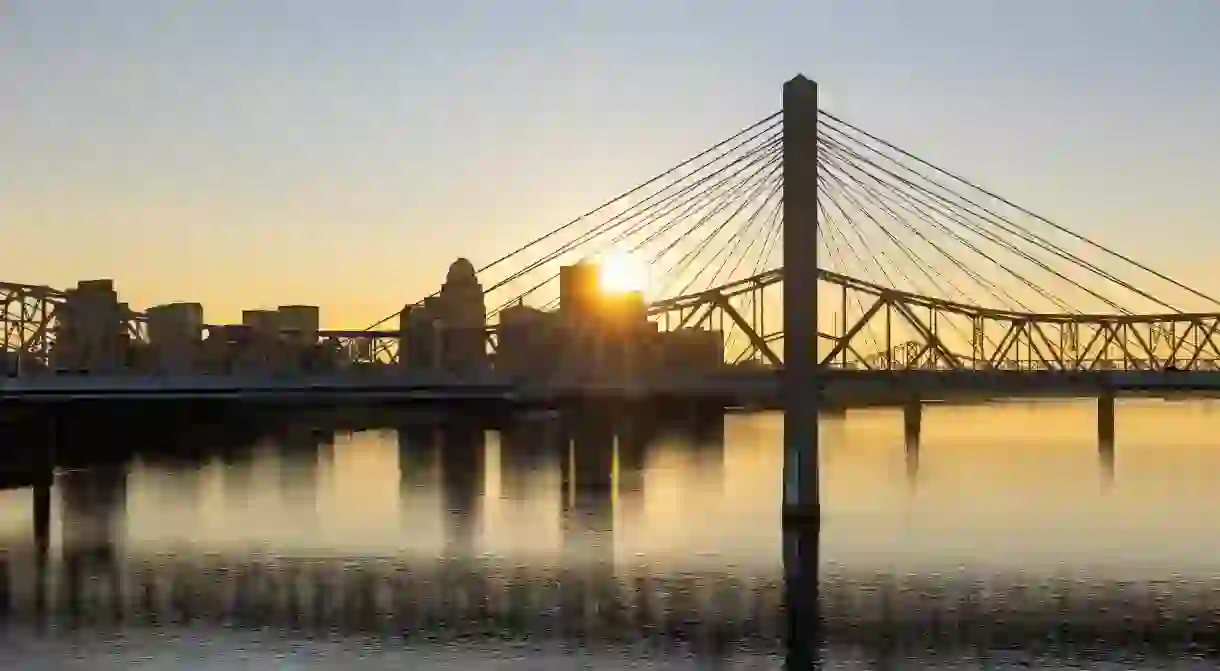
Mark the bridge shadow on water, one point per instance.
(81, 567)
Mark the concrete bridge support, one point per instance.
(802, 596)
(912, 421)
(802, 376)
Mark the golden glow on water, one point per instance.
(1008, 486)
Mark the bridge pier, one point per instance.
(802, 376)
(802, 381)
(1105, 418)
(802, 596)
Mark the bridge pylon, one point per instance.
(802, 378)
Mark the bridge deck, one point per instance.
(761, 388)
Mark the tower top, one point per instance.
(461, 272)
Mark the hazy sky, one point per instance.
(248, 154)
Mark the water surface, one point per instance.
(1006, 537)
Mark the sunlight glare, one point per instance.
(619, 273)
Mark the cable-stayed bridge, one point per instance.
(882, 261)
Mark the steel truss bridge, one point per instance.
(918, 268)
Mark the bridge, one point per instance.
(896, 281)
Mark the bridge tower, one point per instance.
(802, 384)
(802, 377)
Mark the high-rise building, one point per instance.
(463, 319)
(419, 346)
(91, 334)
(579, 291)
(175, 334)
(528, 342)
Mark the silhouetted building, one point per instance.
(604, 335)
(419, 336)
(529, 342)
(299, 324)
(271, 341)
(175, 335)
(448, 331)
(579, 292)
(229, 349)
(690, 350)
(91, 335)
(463, 319)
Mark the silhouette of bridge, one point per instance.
(910, 266)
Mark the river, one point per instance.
(1005, 539)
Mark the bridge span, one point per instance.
(749, 388)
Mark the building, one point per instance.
(690, 350)
(448, 330)
(529, 341)
(580, 293)
(175, 337)
(299, 324)
(605, 336)
(92, 329)
(463, 319)
(418, 337)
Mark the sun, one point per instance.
(620, 273)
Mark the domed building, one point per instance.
(463, 318)
(448, 330)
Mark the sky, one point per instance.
(249, 155)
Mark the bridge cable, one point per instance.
(868, 249)
(745, 240)
(773, 227)
(608, 203)
(701, 246)
(850, 185)
(828, 224)
(917, 208)
(739, 238)
(1005, 245)
(605, 228)
(1044, 220)
(1006, 225)
(738, 250)
(996, 220)
(913, 256)
(693, 204)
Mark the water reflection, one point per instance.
(603, 531)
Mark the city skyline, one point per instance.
(176, 150)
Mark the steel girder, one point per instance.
(27, 315)
(917, 335)
(897, 330)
